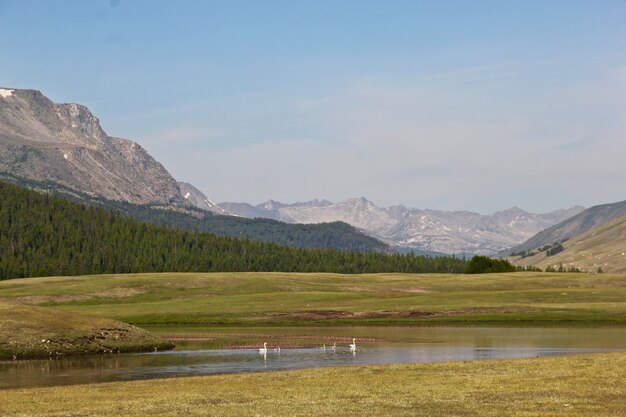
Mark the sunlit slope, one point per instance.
(577, 225)
(40, 332)
(289, 298)
(601, 247)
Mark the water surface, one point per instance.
(392, 345)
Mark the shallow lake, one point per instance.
(204, 351)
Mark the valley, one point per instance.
(218, 320)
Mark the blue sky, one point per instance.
(477, 105)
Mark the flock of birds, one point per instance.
(352, 347)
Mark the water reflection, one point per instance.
(444, 345)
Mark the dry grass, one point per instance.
(568, 386)
(601, 247)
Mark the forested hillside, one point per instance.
(336, 235)
(44, 235)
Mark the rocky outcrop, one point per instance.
(65, 144)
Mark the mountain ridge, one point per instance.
(460, 231)
(62, 149)
(64, 143)
(570, 227)
(600, 248)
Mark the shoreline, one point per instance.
(580, 385)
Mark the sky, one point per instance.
(450, 105)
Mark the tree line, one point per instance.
(335, 235)
(42, 235)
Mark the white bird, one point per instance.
(353, 346)
(324, 347)
(277, 349)
(264, 348)
(334, 346)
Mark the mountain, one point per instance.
(336, 235)
(197, 199)
(61, 149)
(426, 230)
(603, 246)
(570, 227)
(64, 144)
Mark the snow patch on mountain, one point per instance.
(197, 199)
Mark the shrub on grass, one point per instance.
(486, 265)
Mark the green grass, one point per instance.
(28, 332)
(267, 299)
(568, 386)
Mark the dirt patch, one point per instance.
(110, 293)
(259, 336)
(374, 288)
(395, 314)
(335, 314)
(412, 290)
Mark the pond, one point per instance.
(205, 351)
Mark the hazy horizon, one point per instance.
(443, 105)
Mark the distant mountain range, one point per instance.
(424, 230)
(62, 148)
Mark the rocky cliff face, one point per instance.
(64, 143)
(426, 230)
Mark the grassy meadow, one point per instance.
(267, 299)
(37, 332)
(572, 385)
(567, 386)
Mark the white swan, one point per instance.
(324, 347)
(353, 346)
(277, 349)
(264, 348)
(334, 346)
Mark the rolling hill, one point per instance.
(603, 247)
(573, 226)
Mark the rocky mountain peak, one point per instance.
(196, 198)
(64, 143)
(271, 205)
